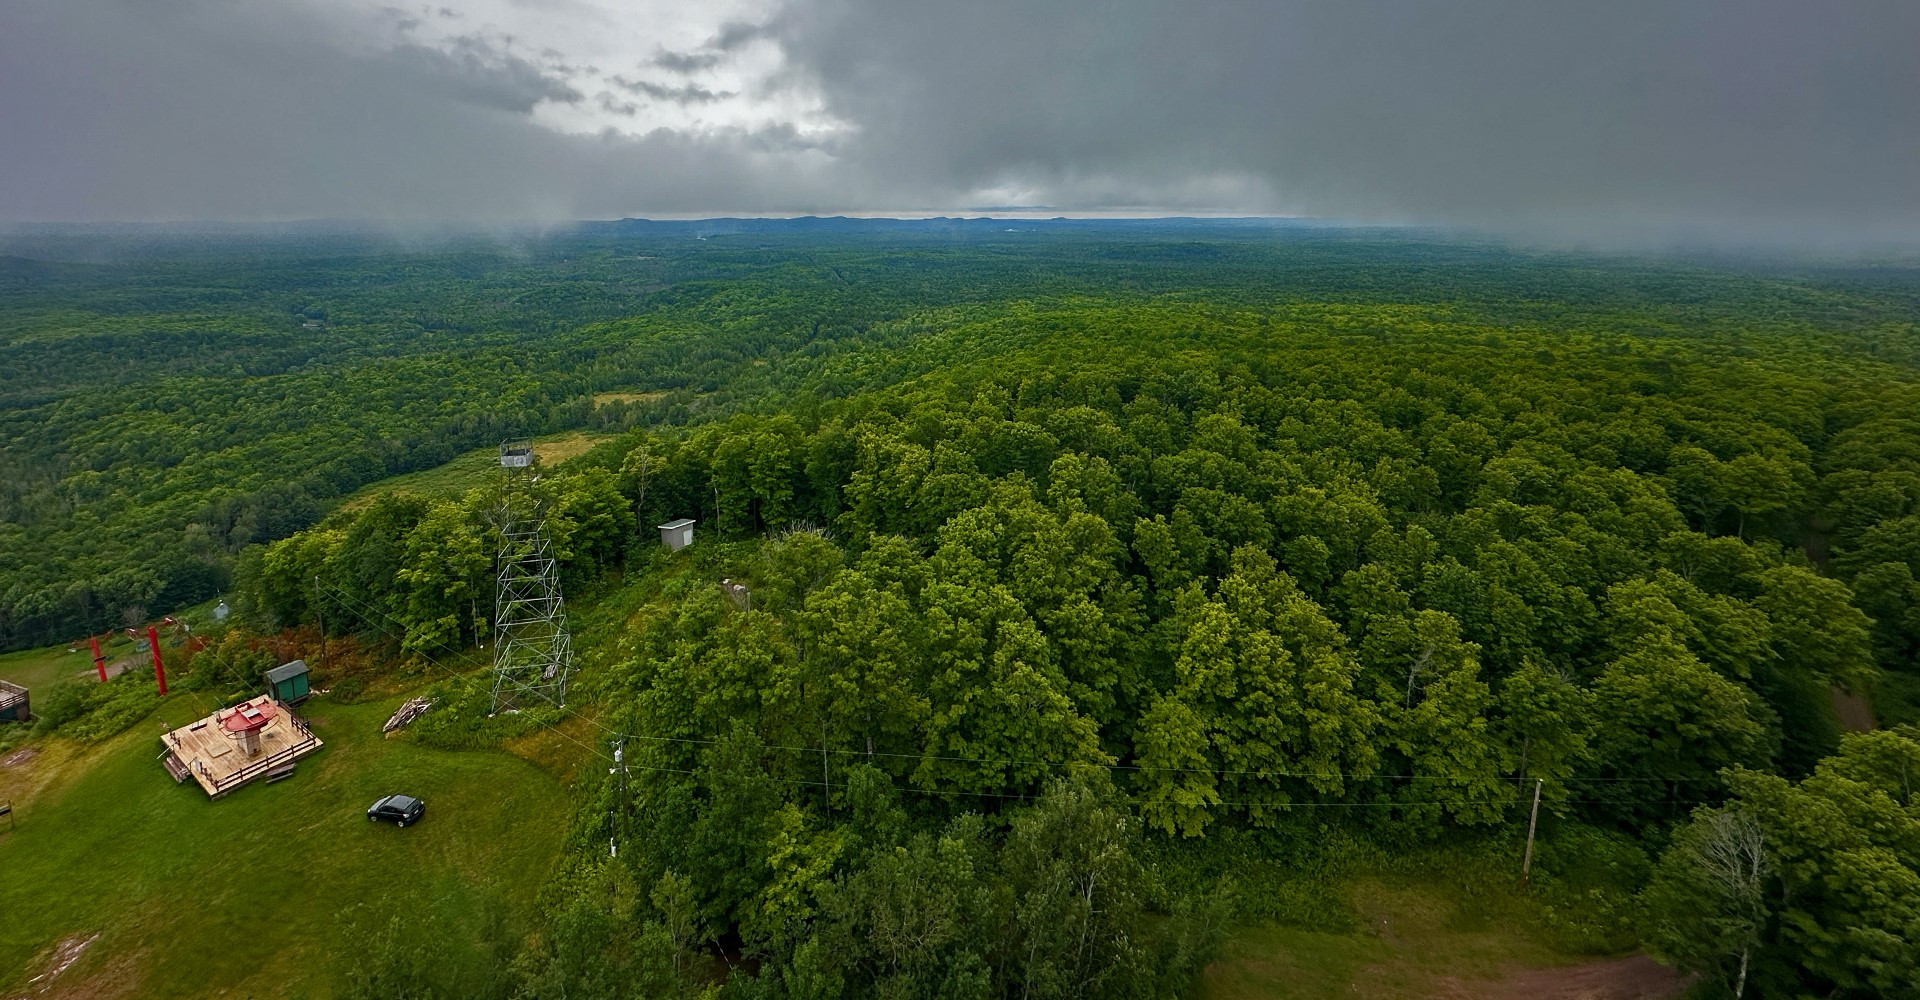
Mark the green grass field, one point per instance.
(480, 467)
(1421, 940)
(272, 890)
(43, 668)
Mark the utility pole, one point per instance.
(1526, 865)
(825, 782)
(619, 769)
(321, 617)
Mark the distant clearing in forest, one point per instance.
(603, 398)
(479, 467)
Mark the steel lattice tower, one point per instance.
(532, 649)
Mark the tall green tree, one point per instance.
(1708, 902)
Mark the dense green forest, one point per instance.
(1095, 569)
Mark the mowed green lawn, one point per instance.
(272, 890)
(39, 670)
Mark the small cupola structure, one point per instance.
(244, 723)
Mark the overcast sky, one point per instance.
(1762, 116)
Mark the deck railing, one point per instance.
(284, 755)
(13, 702)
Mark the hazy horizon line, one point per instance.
(1673, 240)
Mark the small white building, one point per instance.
(677, 535)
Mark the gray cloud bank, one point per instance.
(1764, 117)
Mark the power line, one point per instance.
(369, 608)
(1056, 766)
(1008, 761)
(451, 674)
(1028, 796)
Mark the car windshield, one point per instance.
(402, 802)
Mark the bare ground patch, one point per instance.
(52, 980)
(116, 978)
(1856, 716)
(1632, 977)
(28, 771)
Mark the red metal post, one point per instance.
(159, 672)
(99, 662)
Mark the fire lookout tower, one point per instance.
(532, 649)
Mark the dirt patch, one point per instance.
(64, 955)
(1856, 716)
(118, 978)
(1634, 977)
(19, 757)
(67, 953)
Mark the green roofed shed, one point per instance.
(287, 683)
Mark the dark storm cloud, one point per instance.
(686, 62)
(1763, 116)
(610, 102)
(732, 36)
(205, 111)
(477, 72)
(1772, 113)
(737, 34)
(683, 94)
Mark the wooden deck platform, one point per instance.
(15, 704)
(219, 762)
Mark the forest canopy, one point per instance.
(1063, 550)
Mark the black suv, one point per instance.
(400, 809)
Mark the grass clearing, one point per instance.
(1419, 940)
(1411, 933)
(603, 398)
(40, 669)
(263, 892)
(480, 467)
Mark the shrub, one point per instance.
(348, 689)
(86, 711)
(459, 719)
(65, 703)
